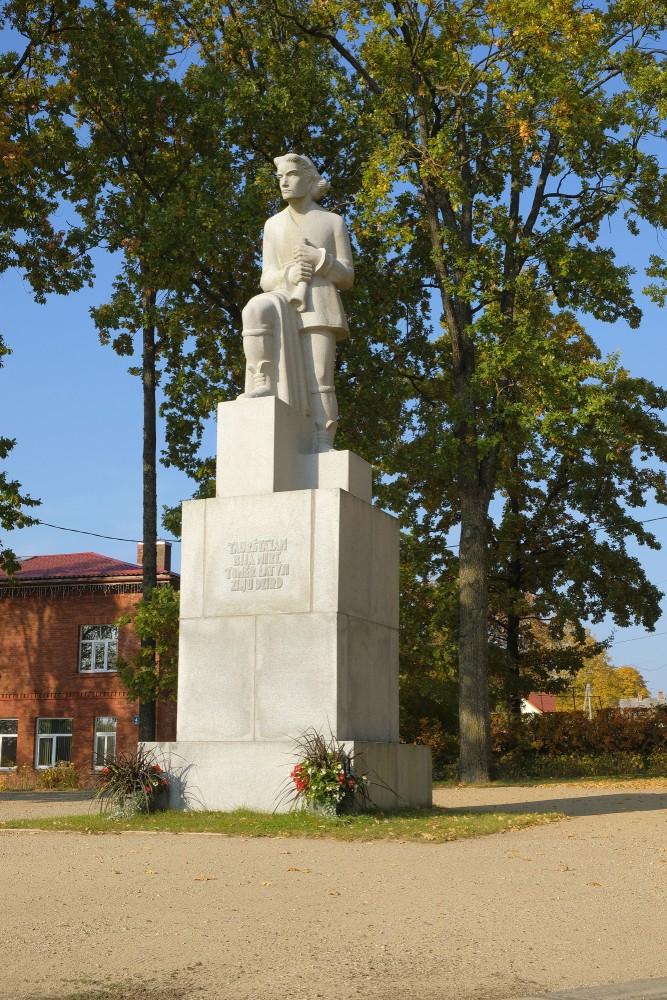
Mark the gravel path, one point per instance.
(572, 904)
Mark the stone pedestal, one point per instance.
(289, 620)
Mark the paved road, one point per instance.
(648, 989)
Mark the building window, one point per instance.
(98, 649)
(105, 740)
(54, 742)
(9, 734)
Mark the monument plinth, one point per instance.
(289, 576)
(289, 620)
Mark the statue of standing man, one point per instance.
(290, 330)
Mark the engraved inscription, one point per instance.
(257, 564)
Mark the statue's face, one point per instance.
(292, 182)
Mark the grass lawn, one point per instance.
(434, 825)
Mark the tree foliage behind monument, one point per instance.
(477, 154)
(507, 134)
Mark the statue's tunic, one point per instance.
(283, 233)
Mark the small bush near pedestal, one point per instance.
(131, 783)
(325, 779)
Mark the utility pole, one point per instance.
(588, 701)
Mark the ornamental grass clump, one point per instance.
(63, 777)
(131, 784)
(325, 779)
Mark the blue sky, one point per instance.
(76, 414)
(643, 354)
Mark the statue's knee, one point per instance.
(259, 314)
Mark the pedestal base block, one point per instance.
(255, 775)
(289, 621)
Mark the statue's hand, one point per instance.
(307, 254)
(300, 271)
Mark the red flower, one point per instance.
(158, 768)
(105, 770)
(147, 788)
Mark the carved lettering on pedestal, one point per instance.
(257, 564)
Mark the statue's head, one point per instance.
(317, 185)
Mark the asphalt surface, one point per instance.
(648, 989)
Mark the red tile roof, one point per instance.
(73, 565)
(541, 701)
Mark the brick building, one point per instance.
(60, 696)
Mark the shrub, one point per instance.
(23, 779)
(326, 777)
(444, 745)
(568, 744)
(62, 777)
(131, 783)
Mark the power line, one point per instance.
(95, 534)
(648, 520)
(177, 541)
(646, 635)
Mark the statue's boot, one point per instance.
(325, 438)
(262, 384)
(325, 410)
(258, 347)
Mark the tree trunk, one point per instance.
(474, 724)
(515, 593)
(474, 487)
(514, 654)
(148, 377)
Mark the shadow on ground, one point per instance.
(179, 988)
(46, 797)
(589, 805)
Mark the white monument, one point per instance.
(289, 577)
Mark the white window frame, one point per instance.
(53, 737)
(9, 736)
(98, 645)
(108, 738)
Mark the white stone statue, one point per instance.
(290, 331)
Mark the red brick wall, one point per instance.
(39, 676)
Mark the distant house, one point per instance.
(643, 702)
(538, 703)
(60, 696)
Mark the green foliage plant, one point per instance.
(12, 505)
(608, 684)
(507, 136)
(62, 777)
(569, 744)
(325, 778)
(131, 783)
(151, 675)
(23, 779)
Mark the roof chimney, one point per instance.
(163, 556)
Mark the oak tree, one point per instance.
(515, 131)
